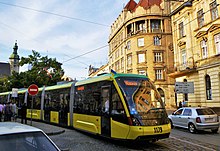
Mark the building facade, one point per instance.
(140, 42)
(4, 69)
(196, 45)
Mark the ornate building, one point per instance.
(196, 41)
(14, 59)
(140, 42)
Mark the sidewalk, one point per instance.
(47, 128)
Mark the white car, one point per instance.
(195, 118)
(19, 137)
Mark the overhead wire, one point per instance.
(94, 23)
(55, 14)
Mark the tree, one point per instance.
(44, 71)
(4, 84)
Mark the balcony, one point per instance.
(156, 30)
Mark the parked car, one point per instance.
(19, 137)
(195, 118)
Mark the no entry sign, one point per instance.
(33, 89)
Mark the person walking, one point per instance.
(24, 113)
(14, 111)
(180, 104)
(1, 111)
(7, 112)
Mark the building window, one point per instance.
(159, 74)
(208, 87)
(142, 72)
(158, 56)
(116, 54)
(140, 42)
(122, 63)
(181, 30)
(214, 10)
(200, 17)
(141, 57)
(129, 45)
(183, 53)
(155, 25)
(157, 41)
(122, 50)
(129, 58)
(204, 49)
(140, 26)
(217, 43)
(117, 65)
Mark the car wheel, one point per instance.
(171, 123)
(192, 128)
(215, 130)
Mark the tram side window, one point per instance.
(88, 98)
(36, 101)
(117, 106)
(57, 100)
(3, 99)
(20, 99)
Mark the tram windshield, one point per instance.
(143, 101)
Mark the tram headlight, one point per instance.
(135, 122)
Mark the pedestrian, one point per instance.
(180, 104)
(24, 113)
(7, 112)
(184, 103)
(14, 111)
(1, 111)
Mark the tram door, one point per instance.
(105, 124)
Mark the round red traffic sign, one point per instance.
(33, 89)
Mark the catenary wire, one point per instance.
(54, 14)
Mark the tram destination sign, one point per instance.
(33, 89)
(184, 87)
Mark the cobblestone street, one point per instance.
(77, 141)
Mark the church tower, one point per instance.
(14, 59)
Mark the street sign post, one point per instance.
(184, 87)
(32, 90)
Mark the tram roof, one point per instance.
(59, 86)
(108, 77)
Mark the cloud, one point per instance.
(41, 27)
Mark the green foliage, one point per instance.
(44, 71)
(4, 84)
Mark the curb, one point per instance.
(55, 133)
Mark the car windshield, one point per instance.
(205, 111)
(143, 100)
(31, 141)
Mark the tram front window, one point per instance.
(143, 101)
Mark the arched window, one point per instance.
(185, 95)
(208, 87)
(161, 94)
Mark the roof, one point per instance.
(132, 5)
(14, 127)
(148, 3)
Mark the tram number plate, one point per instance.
(158, 130)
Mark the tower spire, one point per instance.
(14, 59)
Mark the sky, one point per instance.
(75, 32)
